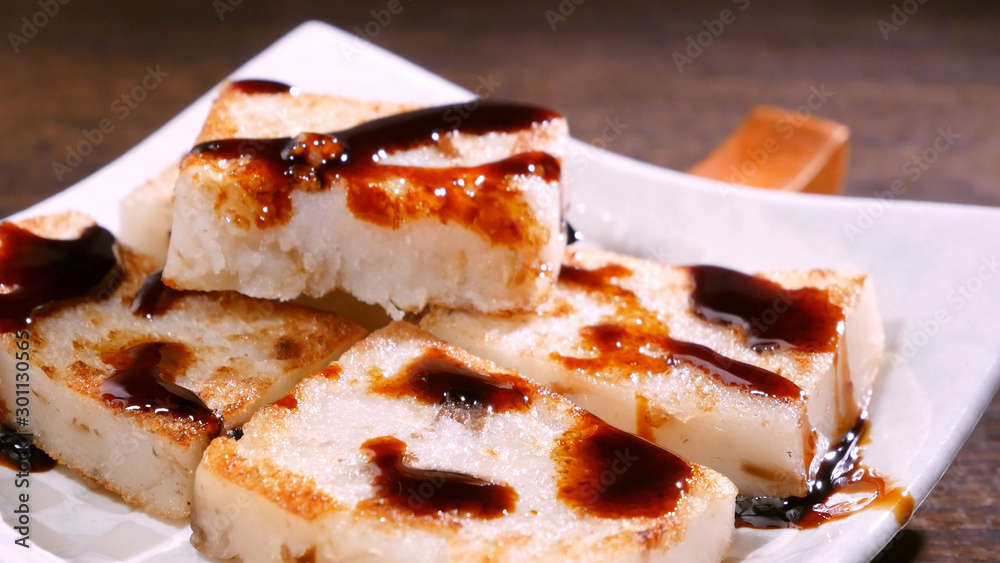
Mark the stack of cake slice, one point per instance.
(754, 376)
(456, 208)
(409, 449)
(127, 385)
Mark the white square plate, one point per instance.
(934, 266)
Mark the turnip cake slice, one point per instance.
(244, 109)
(457, 205)
(127, 381)
(264, 109)
(753, 376)
(409, 449)
(146, 213)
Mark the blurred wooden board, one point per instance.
(781, 150)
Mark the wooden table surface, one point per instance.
(898, 72)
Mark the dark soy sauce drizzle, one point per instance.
(141, 383)
(426, 492)
(36, 271)
(631, 345)
(572, 235)
(154, 297)
(841, 471)
(599, 280)
(754, 380)
(313, 162)
(408, 130)
(437, 379)
(19, 454)
(261, 87)
(608, 473)
(772, 316)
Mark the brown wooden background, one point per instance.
(940, 68)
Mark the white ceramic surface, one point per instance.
(928, 261)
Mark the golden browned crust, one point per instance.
(294, 493)
(66, 225)
(300, 495)
(296, 336)
(235, 114)
(238, 352)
